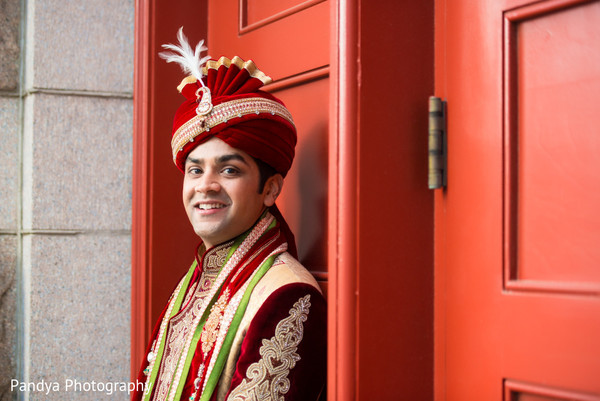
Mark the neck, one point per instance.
(208, 244)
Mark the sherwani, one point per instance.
(279, 349)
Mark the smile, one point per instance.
(210, 206)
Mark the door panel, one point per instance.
(518, 391)
(555, 228)
(517, 261)
(257, 13)
(289, 41)
(303, 202)
(283, 41)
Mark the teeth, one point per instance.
(208, 206)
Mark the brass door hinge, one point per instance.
(437, 143)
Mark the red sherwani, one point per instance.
(279, 349)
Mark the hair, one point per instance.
(265, 172)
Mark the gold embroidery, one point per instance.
(187, 80)
(180, 326)
(210, 330)
(189, 295)
(163, 326)
(249, 66)
(229, 313)
(233, 261)
(222, 113)
(267, 379)
(217, 259)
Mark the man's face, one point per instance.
(220, 191)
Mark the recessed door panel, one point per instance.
(554, 71)
(519, 391)
(287, 44)
(257, 13)
(304, 198)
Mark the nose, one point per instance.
(207, 183)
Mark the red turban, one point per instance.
(235, 110)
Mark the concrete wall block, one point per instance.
(80, 173)
(10, 21)
(83, 45)
(80, 314)
(9, 162)
(8, 303)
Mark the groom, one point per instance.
(248, 321)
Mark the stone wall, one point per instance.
(10, 132)
(66, 83)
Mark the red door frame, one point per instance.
(342, 256)
(380, 212)
(381, 316)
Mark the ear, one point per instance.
(272, 189)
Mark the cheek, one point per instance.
(187, 191)
(247, 197)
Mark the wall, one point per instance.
(10, 24)
(65, 201)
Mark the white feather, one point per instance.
(190, 61)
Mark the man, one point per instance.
(247, 322)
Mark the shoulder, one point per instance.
(287, 278)
(285, 270)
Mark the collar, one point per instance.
(214, 258)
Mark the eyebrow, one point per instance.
(230, 157)
(220, 159)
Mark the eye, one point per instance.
(230, 171)
(194, 170)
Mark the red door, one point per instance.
(517, 254)
(289, 41)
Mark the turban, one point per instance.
(229, 105)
